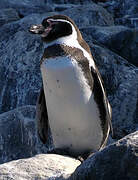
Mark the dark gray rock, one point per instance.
(8, 15)
(40, 167)
(67, 1)
(124, 11)
(120, 39)
(118, 161)
(129, 20)
(88, 15)
(18, 137)
(120, 8)
(26, 7)
(20, 54)
(19, 68)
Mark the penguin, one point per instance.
(72, 102)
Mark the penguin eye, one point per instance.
(45, 23)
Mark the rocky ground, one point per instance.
(111, 30)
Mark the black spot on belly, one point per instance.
(69, 129)
(50, 90)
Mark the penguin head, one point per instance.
(56, 27)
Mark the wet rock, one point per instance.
(18, 137)
(118, 161)
(42, 166)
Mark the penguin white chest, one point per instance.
(72, 112)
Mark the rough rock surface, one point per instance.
(18, 137)
(90, 15)
(40, 167)
(124, 11)
(120, 39)
(26, 7)
(118, 161)
(8, 15)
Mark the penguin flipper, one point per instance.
(42, 117)
(106, 112)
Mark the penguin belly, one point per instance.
(72, 111)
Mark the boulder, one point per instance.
(40, 167)
(26, 7)
(121, 8)
(8, 15)
(67, 1)
(119, 161)
(87, 15)
(20, 53)
(18, 138)
(125, 12)
(120, 39)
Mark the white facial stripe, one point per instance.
(71, 40)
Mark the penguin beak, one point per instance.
(40, 29)
(37, 29)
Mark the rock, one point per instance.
(67, 1)
(120, 8)
(18, 137)
(42, 166)
(118, 161)
(129, 20)
(8, 15)
(26, 7)
(19, 68)
(61, 7)
(123, 10)
(120, 39)
(88, 15)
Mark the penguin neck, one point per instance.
(72, 41)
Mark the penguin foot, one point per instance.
(85, 155)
